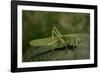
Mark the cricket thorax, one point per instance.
(72, 39)
(69, 41)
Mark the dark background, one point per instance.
(39, 24)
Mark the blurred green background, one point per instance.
(39, 24)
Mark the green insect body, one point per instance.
(57, 40)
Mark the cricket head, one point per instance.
(72, 39)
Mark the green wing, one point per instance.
(46, 42)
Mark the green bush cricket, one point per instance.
(57, 40)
